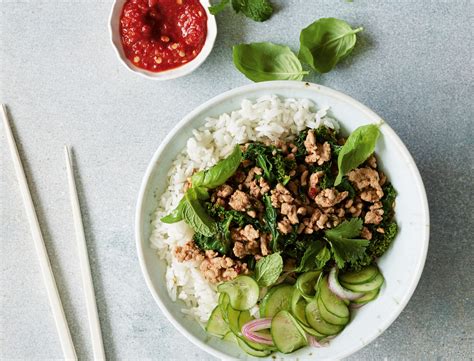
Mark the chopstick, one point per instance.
(94, 323)
(46, 271)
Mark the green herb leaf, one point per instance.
(268, 269)
(196, 216)
(267, 61)
(220, 241)
(325, 42)
(219, 173)
(217, 8)
(308, 261)
(258, 10)
(176, 214)
(358, 147)
(344, 248)
(322, 258)
(270, 218)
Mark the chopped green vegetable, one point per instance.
(220, 241)
(358, 147)
(308, 261)
(268, 269)
(325, 42)
(267, 61)
(344, 247)
(323, 256)
(219, 173)
(270, 218)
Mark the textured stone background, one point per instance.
(63, 84)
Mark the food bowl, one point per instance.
(114, 29)
(401, 266)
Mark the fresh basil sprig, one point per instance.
(258, 10)
(267, 61)
(358, 147)
(219, 173)
(325, 42)
(268, 269)
(190, 208)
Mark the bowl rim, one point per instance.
(273, 86)
(180, 71)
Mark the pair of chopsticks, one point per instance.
(55, 301)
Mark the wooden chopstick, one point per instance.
(94, 323)
(48, 277)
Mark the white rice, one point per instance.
(269, 117)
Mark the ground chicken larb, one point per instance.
(297, 180)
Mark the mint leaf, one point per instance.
(358, 147)
(268, 269)
(343, 245)
(258, 10)
(217, 8)
(196, 216)
(219, 173)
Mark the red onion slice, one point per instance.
(312, 341)
(249, 330)
(340, 291)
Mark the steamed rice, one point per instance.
(269, 117)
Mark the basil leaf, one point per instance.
(344, 248)
(358, 147)
(258, 10)
(175, 215)
(196, 216)
(268, 269)
(267, 61)
(219, 173)
(217, 8)
(325, 42)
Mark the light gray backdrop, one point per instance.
(63, 84)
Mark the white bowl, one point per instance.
(401, 265)
(114, 29)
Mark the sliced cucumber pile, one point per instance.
(308, 307)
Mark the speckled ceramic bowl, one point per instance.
(114, 30)
(402, 265)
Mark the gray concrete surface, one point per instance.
(63, 84)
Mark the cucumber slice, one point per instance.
(258, 353)
(312, 331)
(277, 299)
(223, 302)
(287, 334)
(216, 325)
(298, 305)
(315, 320)
(306, 283)
(233, 317)
(366, 287)
(369, 296)
(243, 292)
(330, 317)
(333, 303)
(363, 276)
(230, 336)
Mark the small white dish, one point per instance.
(114, 29)
(401, 266)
